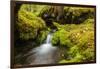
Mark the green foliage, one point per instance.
(42, 36)
(78, 38)
(45, 9)
(63, 61)
(34, 9)
(77, 11)
(83, 43)
(60, 37)
(29, 25)
(59, 26)
(76, 59)
(78, 15)
(88, 54)
(74, 51)
(89, 21)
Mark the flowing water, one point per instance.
(44, 54)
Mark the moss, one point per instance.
(88, 54)
(78, 38)
(61, 37)
(76, 59)
(89, 21)
(63, 61)
(83, 41)
(42, 36)
(78, 15)
(29, 25)
(34, 9)
(76, 35)
(74, 51)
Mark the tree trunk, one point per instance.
(59, 13)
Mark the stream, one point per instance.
(43, 54)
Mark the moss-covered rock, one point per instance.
(34, 9)
(78, 15)
(61, 37)
(29, 25)
(42, 36)
(79, 39)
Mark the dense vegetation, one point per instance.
(74, 29)
(78, 41)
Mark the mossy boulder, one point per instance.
(42, 36)
(34, 9)
(29, 25)
(61, 38)
(79, 40)
(78, 15)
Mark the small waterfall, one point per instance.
(48, 40)
(44, 54)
